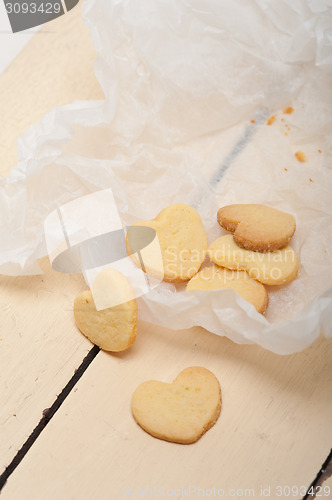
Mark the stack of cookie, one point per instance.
(256, 254)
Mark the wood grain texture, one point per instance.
(274, 428)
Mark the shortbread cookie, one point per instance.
(270, 268)
(113, 328)
(180, 412)
(215, 277)
(257, 227)
(182, 240)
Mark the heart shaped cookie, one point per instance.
(270, 268)
(257, 227)
(182, 240)
(180, 412)
(215, 277)
(112, 328)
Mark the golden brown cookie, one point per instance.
(257, 227)
(182, 240)
(113, 328)
(182, 411)
(270, 268)
(215, 277)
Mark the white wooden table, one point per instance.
(275, 428)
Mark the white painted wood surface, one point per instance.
(274, 429)
(39, 345)
(275, 425)
(39, 351)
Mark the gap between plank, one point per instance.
(48, 414)
(324, 473)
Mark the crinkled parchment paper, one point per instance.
(189, 86)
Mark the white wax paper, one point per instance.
(189, 86)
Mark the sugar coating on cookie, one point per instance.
(257, 227)
(113, 328)
(182, 243)
(271, 268)
(180, 412)
(215, 277)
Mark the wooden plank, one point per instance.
(274, 429)
(39, 346)
(39, 351)
(54, 69)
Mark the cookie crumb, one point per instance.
(310, 179)
(288, 110)
(319, 150)
(286, 169)
(300, 156)
(271, 120)
(14, 414)
(253, 121)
